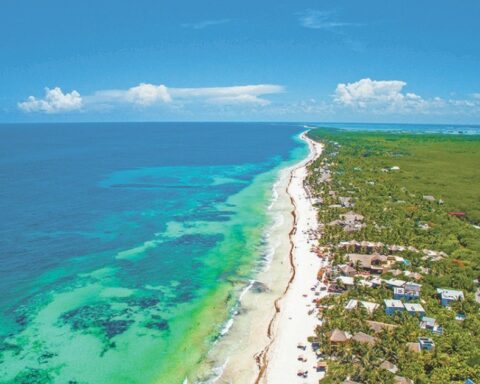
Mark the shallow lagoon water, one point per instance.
(126, 245)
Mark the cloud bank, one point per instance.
(388, 97)
(54, 101)
(143, 95)
(243, 94)
(365, 99)
(147, 95)
(368, 93)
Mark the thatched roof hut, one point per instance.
(363, 338)
(338, 336)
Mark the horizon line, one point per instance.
(231, 122)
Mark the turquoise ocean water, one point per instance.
(124, 246)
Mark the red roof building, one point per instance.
(457, 214)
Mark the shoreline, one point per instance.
(293, 322)
(262, 357)
(243, 355)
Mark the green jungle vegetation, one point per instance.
(396, 212)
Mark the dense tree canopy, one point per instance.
(390, 177)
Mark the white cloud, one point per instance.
(143, 95)
(388, 97)
(147, 95)
(205, 23)
(375, 94)
(54, 101)
(365, 91)
(316, 19)
(243, 94)
(366, 98)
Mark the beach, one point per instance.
(273, 315)
(296, 319)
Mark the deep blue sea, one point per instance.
(122, 244)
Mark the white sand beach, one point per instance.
(261, 345)
(297, 318)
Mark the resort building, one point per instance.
(457, 214)
(447, 296)
(389, 366)
(339, 337)
(346, 281)
(346, 202)
(371, 263)
(426, 344)
(433, 255)
(402, 380)
(347, 270)
(334, 206)
(352, 304)
(365, 283)
(352, 217)
(414, 309)
(396, 248)
(414, 347)
(364, 246)
(413, 275)
(428, 198)
(425, 270)
(431, 324)
(409, 291)
(363, 338)
(395, 283)
(392, 306)
(351, 221)
(376, 282)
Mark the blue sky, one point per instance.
(367, 61)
